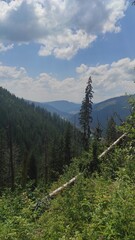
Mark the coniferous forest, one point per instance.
(34, 145)
(39, 152)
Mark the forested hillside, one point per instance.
(100, 204)
(34, 145)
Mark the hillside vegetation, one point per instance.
(100, 205)
(34, 144)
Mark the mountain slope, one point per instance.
(53, 109)
(117, 107)
(34, 144)
(96, 206)
(65, 106)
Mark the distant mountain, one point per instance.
(117, 107)
(65, 106)
(62, 108)
(51, 109)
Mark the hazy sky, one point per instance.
(49, 48)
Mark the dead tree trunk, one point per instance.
(71, 181)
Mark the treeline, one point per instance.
(99, 205)
(34, 144)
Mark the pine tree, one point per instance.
(67, 145)
(98, 131)
(86, 114)
(111, 131)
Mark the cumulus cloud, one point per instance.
(4, 48)
(82, 68)
(61, 27)
(109, 80)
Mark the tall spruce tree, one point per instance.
(111, 131)
(86, 114)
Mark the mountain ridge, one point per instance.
(68, 107)
(118, 107)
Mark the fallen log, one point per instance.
(112, 145)
(71, 181)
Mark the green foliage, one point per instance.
(19, 212)
(15, 223)
(94, 208)
(114, 211)
(111, 131)
(98, 206)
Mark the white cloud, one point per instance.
(67, 45)
(4, 48)
(62, 27)
(109, 80)
(82, 68)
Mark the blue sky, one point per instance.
(49, 48)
